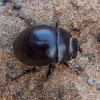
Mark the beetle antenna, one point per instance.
(26, 72)
(57, 23)
(28, 21)
(56, 20)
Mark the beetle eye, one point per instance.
(73, 47)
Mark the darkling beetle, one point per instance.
(42, 45)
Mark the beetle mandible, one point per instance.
(42, 45)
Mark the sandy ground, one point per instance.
(64, 83)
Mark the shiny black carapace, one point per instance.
(42, 45)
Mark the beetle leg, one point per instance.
(26, 72)
(66, 64)
(71, 68)
(50, 71)
(75, 29)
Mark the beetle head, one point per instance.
(73, 47)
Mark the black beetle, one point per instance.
(42, 45)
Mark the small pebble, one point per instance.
(83, 53)
(92, 57)
(11, 66)
(62, 97)
(80, 47)
(3, 89)
(87, 53)
(98, 86)
(79, 67)
(18, 5)
(16, 14)
(3, 43)
(91, 81)
(20, 94)
(11, 50)
(10, 75)
(98, 38)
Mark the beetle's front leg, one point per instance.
(26, 72)
(50, 71)
(66, 64)
(28, 21)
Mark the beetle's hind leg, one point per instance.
(52, 68)
(26, 72)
